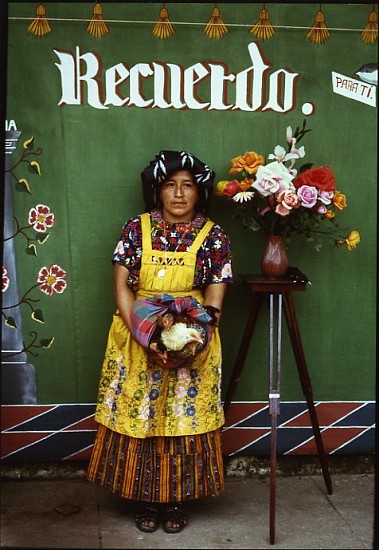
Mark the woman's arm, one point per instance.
(123, 294)
(214, 296)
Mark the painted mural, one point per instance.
(93, 92)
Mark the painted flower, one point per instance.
(52, 279)
(41, 218)
(5, 280)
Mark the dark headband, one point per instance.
(168, 162)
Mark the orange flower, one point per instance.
(245, 184)
(329, 214)
(250, 162)
(339, 200)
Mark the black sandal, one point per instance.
(171, 516)
(147, 520)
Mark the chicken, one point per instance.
(179, 335)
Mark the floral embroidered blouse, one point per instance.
(214, 258)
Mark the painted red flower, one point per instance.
(4, 280)
(52, 279)
(41, 218)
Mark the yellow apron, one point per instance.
(137, 397)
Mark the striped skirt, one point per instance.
(158, 469)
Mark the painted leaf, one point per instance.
(32, 250)
(42, 238)
(36, 166)
(37, 315)
(28, 144)
(25, 184)
(47, 342)
(10, 322)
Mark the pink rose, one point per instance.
(326, 196)
(307, 196)
(286, 201)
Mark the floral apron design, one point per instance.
(136, 396)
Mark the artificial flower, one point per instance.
(353, 239)
(281, 199)
(4, 280)
(249, 162)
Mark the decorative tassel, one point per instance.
(163, 28)
(97, 26)
(263, 28)
(40, 25)
(215, 28)
(370, 32)
(319, 33)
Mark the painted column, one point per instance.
(18, 383)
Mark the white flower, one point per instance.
(226, 271)
(243, 196)
(272, 178)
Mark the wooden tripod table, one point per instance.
(277, 290)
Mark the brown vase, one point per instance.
(274, 262)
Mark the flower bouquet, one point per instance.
(281, 200)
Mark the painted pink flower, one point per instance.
(307, 195)
(52, 279)
(41, 218)
(5, 280)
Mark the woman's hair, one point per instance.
(165, 164)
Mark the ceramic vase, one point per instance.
(274, 262)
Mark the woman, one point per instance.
(158, 441)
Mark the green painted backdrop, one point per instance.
(92, 159)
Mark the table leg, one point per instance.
(243, 349)
(306, 384)
(274, 402)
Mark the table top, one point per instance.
(259, 283)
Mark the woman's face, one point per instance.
(179, 196)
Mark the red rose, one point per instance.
(231, 188)
(322, 178)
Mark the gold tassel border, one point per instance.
(319, 33)
(215, 28)
(163, 28)
(263, 28)
(370, 32)
(97, 26)
(40, 25)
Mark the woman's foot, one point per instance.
(147, 520)
(173, 520)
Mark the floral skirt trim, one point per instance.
(158, 469)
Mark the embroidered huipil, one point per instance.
(136, 396)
